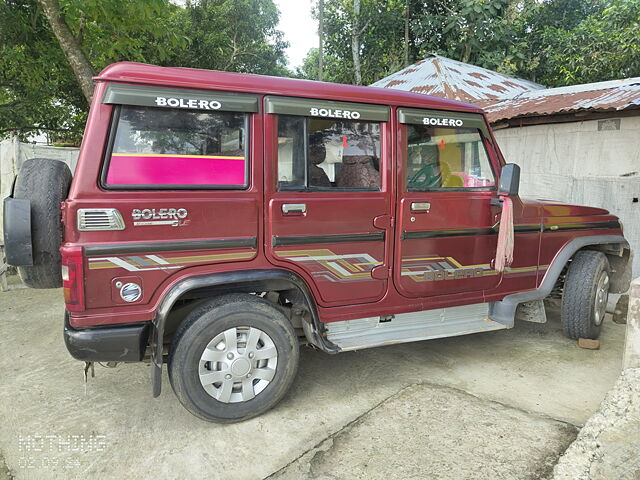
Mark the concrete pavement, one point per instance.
(608, 447)
(525, 380)
(429, 431)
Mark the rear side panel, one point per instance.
(166, 230)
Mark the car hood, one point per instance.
(554, 208)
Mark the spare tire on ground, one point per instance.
(45, 183)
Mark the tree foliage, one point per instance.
(581, 42)
(33, 74)
(38, 90)
(475, 31)
(230, 35)
(380, 28)
(554, 42)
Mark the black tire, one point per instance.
(202, 326)
(45, 183)
(581, 317)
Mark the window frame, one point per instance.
(316, 189)
(407, 116)
(113, 127)
(485, 145)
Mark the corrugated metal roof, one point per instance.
(447, 78)
(613, 95)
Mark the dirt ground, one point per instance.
(501, 404)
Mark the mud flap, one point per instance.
(156, 357)
(532, 312)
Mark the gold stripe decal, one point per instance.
(434, 268)
(326, 265)
(143, 263)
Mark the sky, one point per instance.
(300, 29)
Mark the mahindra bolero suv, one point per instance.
(216, 221)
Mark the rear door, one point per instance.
(446, 235)
(327, 195)
(184, 171)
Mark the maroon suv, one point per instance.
(216, 221)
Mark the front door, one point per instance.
(327, 196)
(446, 235)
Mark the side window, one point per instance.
(328, 154)
(447, 158)
(163, 148)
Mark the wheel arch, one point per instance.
(620, 259)
(615, 247)
(246, 281)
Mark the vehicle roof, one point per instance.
(140, 73)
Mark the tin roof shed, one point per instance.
(443, 77)
(580, 100)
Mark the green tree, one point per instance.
(596, 41)
(479, 32)
(40, 92)
(70, 45)
(230, 35)
(370, 35)
(334, 68)
(389, 33)
(554, 42)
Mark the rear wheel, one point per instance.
(45, 183)
(233, 358)
(585, 295)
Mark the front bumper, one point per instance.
(107, 344)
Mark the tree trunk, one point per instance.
(70, 46)
(467, 45)
(320, 37)
(355, 42)
(406, 34)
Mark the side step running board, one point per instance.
(410, 327)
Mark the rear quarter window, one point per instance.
(157, 148)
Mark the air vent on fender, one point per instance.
(93, 219)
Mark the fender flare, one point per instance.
(283, 279)
(504, 311)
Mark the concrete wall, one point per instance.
(13, 153)
(631, 358)
(577, 163)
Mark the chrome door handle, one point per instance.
(420, 206)
(294, 208)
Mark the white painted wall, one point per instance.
(576, 163)
(13, 153)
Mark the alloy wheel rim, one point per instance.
(602, 296)
(238, 364)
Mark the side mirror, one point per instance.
(509, 180)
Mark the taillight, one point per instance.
(72, 278)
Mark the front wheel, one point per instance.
(585, 295)
(233, 358)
